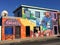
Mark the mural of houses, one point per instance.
(29, 21)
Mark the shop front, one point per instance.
(11, 29)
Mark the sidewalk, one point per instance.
(27, 40)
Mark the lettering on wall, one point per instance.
(12, 22)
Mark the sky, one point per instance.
(11, 5)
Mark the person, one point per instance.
(47, 23)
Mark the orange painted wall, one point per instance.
(23, 31)
(3, 35)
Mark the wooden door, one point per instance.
(17, 32)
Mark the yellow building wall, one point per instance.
(27, 22)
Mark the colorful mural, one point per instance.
(31, 23)
(42, 18)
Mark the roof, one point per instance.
(36, 8)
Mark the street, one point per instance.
(48, 42)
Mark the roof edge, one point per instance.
(36, 8)
(39, 7)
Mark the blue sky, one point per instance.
(11, 5)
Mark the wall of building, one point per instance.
(31, 14)
(35, 19)
(12, 22)
(36, 16)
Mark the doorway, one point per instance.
(27, 31)
(36, 29)
(55, 30)
(17, 32)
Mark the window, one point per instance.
(27, 13)
(8, 30)
(37, 14)
(55, 16)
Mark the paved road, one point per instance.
(49, 42)
(55, 43)
(45, 42)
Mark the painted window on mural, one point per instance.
(37, 14)
(8, 30)
(27, 13)
(55, 16)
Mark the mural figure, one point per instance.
(47, 23)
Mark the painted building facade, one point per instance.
(30, 21)
(45, 19)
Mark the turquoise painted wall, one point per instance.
(32, 12)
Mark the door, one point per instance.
(17, 32)
(55, 30)
(27, 31)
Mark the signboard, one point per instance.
(11, 22)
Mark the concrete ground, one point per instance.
(33, 41)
